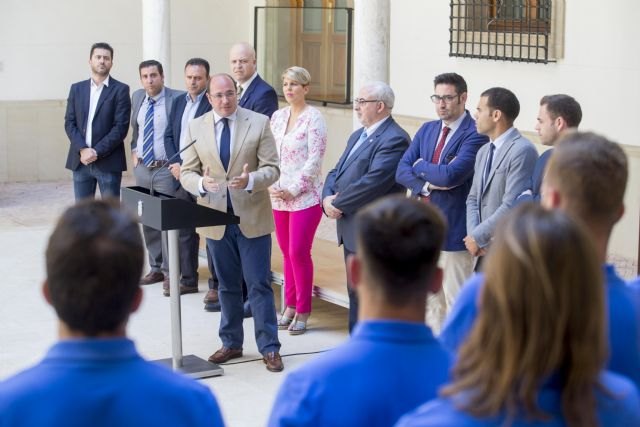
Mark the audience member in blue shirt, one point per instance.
(392, 363)
(535, 354)
(94, 376)
(572, 186)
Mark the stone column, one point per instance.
(156, 34)
(370, 44)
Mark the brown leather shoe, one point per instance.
(273, 361)
(211, 297)
(183, 289)
(152, 277)
(225, 354)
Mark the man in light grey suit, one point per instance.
(150, 108)
(502, 169)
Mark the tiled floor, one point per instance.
(27, 215)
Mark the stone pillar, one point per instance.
(370, 44)
(156, 34)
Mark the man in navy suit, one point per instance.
(438, 168)
(366, 170)
(184, 109)
(96, 122)
(557, 113)
(253, 93)
(151, 107)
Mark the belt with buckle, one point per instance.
(155, 164)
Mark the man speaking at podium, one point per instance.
(231, 165)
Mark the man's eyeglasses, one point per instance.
(218, 96)
(448, 99)
(360, 101)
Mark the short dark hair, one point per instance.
(101, 45)
(151, 63)
(399, 240)
(94, 263)
(198, 61)
(564, 106)
(576, 169)
(499, 98)
(451, 79)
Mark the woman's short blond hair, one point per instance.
(297, 74)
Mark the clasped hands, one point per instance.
(278, 193)
(330, 210)
(88, 155)
(473, 248)
(237, 182)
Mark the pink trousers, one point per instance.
(294, 232)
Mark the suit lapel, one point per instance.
(499, 156)
(352, 140)
(106, 93)
(85, 96)
(240, 134)
(249, 91)
(366, 144)
(210, 142)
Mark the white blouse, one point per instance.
(301, 152)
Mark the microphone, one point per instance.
(153, 175)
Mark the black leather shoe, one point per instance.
(273, 361)
(225, 354)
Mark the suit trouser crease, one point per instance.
(235, 256)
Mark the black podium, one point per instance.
(168, 214)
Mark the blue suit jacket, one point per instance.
(174, 124)
(109, 127)
(366, 176)
(455, 170)
(536, 178)
(260, 97)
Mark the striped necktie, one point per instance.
(147, 144)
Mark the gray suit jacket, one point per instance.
(252, 144)
(511, 170)
(137, 98)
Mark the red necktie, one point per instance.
(436, 154)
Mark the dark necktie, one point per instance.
(225, 144)
(147, 141)
(487, 168)
(436, 154)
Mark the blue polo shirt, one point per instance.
(103, 382)
(386, 369)
(618, 406)
(623, 311)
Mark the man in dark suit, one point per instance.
(502, 169)
(366, 170)
(253, 93)
(151, 107)
(230, 167)
(96, 122)
(438, 168)
(557, 113)
(185, 108)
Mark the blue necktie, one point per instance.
(363, 137)
(225, 144)
(147, 141)
(487, 169)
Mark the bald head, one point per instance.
(242, 59)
